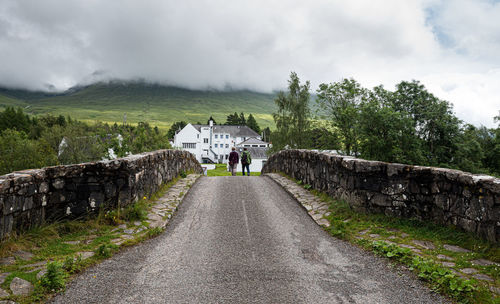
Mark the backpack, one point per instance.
(244, 158)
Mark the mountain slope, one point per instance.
(159, 105)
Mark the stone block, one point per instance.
(28, 203)
(395, 169)
(442, 201)
(54, 198)
(44, 187)
(96, 199)
(109, 190)
(381, 200)
(58, 183)
(7, 223)
(4, 185)
(467, 224)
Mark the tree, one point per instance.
(176, 126)
(252, 124)
(19, 153)
(433, 124)
(243, 121)
(340, 101)
(322, 136)
(11, 118)
(266, 134)
(233, 119)
(293, 115)
(469, 154)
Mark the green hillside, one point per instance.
(159, 105)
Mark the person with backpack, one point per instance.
(246, 160)
(233, 161)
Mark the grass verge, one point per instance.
(221, 170)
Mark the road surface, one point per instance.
(244, 240)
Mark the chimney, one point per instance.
(211, 122)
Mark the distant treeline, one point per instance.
(409, 125)
(34, 142)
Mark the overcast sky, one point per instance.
(451, 46)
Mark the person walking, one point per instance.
(246, 160)
(234, 158)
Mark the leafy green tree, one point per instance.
(233, 119)
(433, 124)
(293, 115)
(143, 138)
(49, 121)
(19, 153)
(322, 136)
(176, 126)
(252, 124)
(11, 118)
(382, 129)
(489, 139)
(469, 154)
(243, 121)
(79, 146)
(340, 101)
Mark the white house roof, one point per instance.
(252, 141)
(234, 131)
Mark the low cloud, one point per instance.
(451, 46)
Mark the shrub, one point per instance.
(104, 250)
(55, 278)
(72, 264)
(135, 212)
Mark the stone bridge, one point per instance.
(471, 202)
(245, 239)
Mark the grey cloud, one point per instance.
(241, 44)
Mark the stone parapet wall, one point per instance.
(443, 196)
(33, 197)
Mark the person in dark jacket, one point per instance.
(246, 160)
(233, 161)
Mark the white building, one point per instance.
(212, 143)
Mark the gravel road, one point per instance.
(244, 240)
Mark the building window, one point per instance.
(216, 136)
(197, 135)
(205, 140)
(227, 145)
(227, 136)
(262, 146)
(189, 145)
(255, 145)
(227, 156)
(216, 145)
